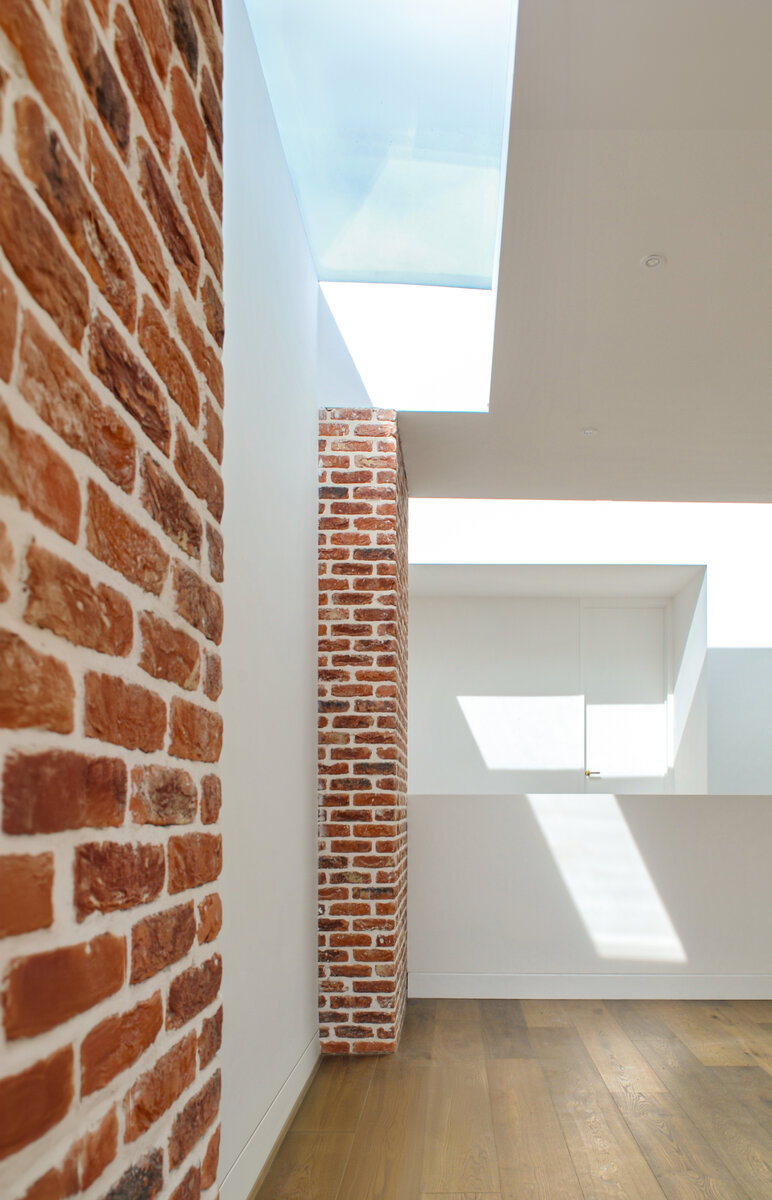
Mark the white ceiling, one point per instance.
(638, 126)
(586, 581)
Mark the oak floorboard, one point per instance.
(336, 1096)
(417, 1038)
(712, 1044)
(386, 1156)
(458, 1035)
(544, 1014)
(308, 1166)
(678, 1154)
(742, 1143)
(459, 1148)
(616, 1059)
(504, 1031)
(534, 1161)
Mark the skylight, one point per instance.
(392, 114)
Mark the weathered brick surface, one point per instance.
(111, 440)
(116, 1043)
(362, 731)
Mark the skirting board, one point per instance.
(590, 987)
(250, 1164)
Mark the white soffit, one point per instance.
(636, 129)
(457, 580)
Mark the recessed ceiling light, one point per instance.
(653, 260)
(589, 430)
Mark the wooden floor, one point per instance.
(543, 1100)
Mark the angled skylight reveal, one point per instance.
(392, 114)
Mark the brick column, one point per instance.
(362, 732)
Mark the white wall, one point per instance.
(690, 687)
(740, 721)
(283, 358)
(589, 896)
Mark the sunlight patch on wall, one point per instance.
(628, 741)
(607, 878)
(527, 733)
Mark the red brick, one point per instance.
(211, 1159)
(168, 653)
(205, 358)
(60, 789)
(162, 796)
(165, 500)
(97, 73)
(39, 479)
(154, 28)
(35, 1100)
(161, 940)
(142, 1181)
(208, 230)
(154, 1092)
(211, 1039)
(184, 33)
(213, 311)
(213, 430)
(8, 313)
(198, 603)
(211, 799)
(46, 989)
(214, 187)
(63, 599)
(59, 185)
(212, 35)
(97, 1149)
(213, 676)
(201, 476)
(188, 119)
(168, 360)
(26, 886)
(26, 32)
(118, 197)
(194, 859)
(209, 918)
(133, 387)
(194, 1120)
(118, 540)
(168, 217)
(216, 557)
(51, 383)
(110, 876)
(118, 1042)
(138, 75)
(196, 733)
(212, 110)
(123, 713)
(36, 690)
(190, 1187)
(56, 1184)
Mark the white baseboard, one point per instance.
(246, 1170)
(650, 986)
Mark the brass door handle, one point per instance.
(592, 772)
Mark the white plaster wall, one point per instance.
(283, 358)
(491, 913)
(690, 687)
(740, 720)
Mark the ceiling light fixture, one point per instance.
(589, 430)
(652, 261)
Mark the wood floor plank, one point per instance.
(459, 1148)
(544, 1014)
(308, 1166)
(418, 1030)
(504, 1031)
(387, 1152)
(759, 1011)
(608, 1161)
(743, 1144)
(534, 1161)
(336, 1097)
(461, 1196)
(678, 1154)
(616, 1059)
(458, 1032)
(712, 1045)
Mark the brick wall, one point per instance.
(362, 732)
(111, 389)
